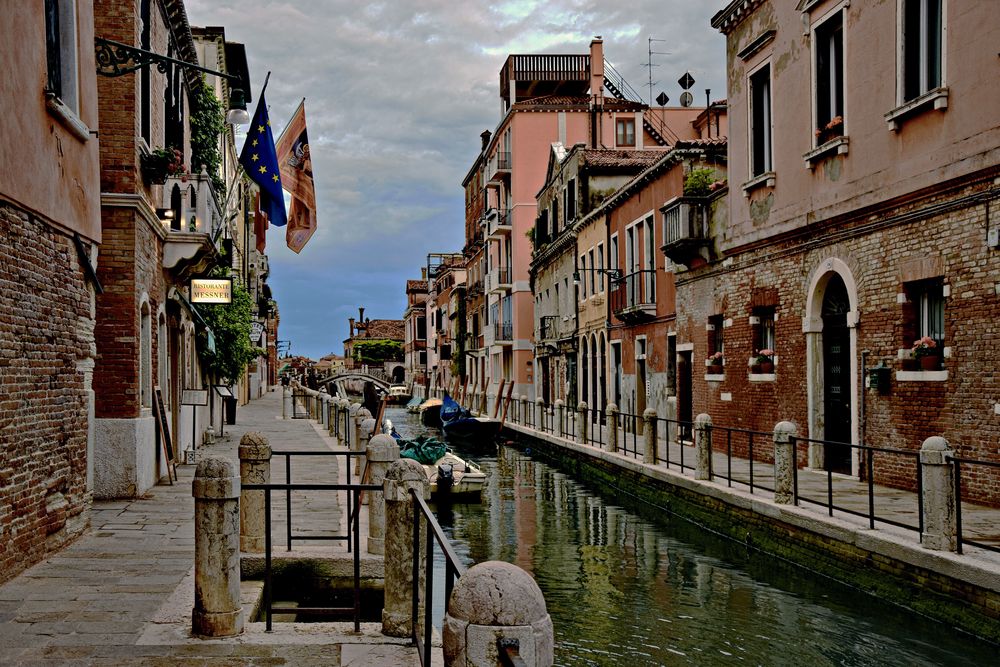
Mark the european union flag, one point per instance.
(260, 161)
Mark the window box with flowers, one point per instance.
(830, 138)
(922, 362)
(715, 364)
(927, 354)
(763, 363)
(162, 162)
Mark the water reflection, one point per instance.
(653, 589)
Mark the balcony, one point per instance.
(498, 223)
(538, 75)
(475, 289)
(499, 166)
(548, 327)
(633, 298)
(189, 248)
(686, 230)
(499, 280)
(503, 333)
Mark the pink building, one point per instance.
(863, 159)
(545, 99)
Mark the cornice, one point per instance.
(139, 204)
(733, 14)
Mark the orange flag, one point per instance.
(260, 225)
(295, 164)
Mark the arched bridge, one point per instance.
(379, 380)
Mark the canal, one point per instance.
(627, 585)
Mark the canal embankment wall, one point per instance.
(961, 590)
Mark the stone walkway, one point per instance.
(122, 594)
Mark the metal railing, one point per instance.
(453, 570)
(503, 331)
(635, 290)
(867, 456)
(630, 427)
(960, 537)
(307, 405)
(354, 500)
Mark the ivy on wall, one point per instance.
(377, 351)
(207, 122)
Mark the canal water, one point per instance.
(626, 586)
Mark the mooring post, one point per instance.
(702, 446)
(612, 427)
(397, 613)
(523, 417)
(216, 491)
(539, 413)
(784, 462)
(939, 499)
(671, 432)
(382, 451)
(324, 407)
(255, 468)
(581, 422)
(649, 419)
(496, 604)
(364, 435)
(560, 418)
(287, 407)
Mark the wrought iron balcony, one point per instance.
(499, 280)
(685, 223)
(498, 223)
(633, 298)
(503, 332)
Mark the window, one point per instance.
(422, 358)
(649, 259)
(145, 356)
(927, 299)
(714, 329)
(421, 328)
(583, 276)
(760, 121)
(600, 267)
(592, 272)
(922, 24)
(60, 48)
(829, 62)
(625, 131)
(571, 200)
(613, 253)
(542, 228)
(762, 328)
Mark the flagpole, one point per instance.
(239, 167)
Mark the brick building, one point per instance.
(49, 231)
(862, 227)
(415, 334)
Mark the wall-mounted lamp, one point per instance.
(115, 59)
(165, 214)
(613, 275)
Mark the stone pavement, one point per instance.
(122, 594)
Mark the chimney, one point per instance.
(597, 70)
(350, 334)
(485, 136)
(423, 270)
(361, 314)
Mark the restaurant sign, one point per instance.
(211, 290)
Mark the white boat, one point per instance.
(452, 476)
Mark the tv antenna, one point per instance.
(649, 64)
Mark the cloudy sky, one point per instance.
(397, 94)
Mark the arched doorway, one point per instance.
(830, 328)
(836, 376)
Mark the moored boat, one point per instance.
(430, 412)
(461, 427)
(398, 394)
(450, 476)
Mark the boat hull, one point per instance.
(472, 431)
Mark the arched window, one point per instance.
(175, 205)
(145, 356)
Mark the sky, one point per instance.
(397, 94)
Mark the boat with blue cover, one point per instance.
(461, 427)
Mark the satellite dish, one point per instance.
(662, 99)
(686, 99)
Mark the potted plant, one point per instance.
(830, 131)
(765, 361)
(925, 351)
(162, 162)
(714, 363)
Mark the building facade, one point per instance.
(50, 228)
(860, 229)
(415, 341)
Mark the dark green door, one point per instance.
(836, 377)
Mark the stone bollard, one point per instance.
(539, 413)
(255, 468)
(216, 491)
(287, 407)
(649, 453)
(940, 523)
(493, 601)
(355, 422)
(784, 462)
(364, 435)
(612, 428)
(523, 412)
(703, 447)
(557, 428)
(382, 451)
(581, 422)
(325, 407)
(397, 613)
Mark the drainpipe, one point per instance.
(864, 377)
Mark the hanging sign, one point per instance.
(211, 290)
(256, 330)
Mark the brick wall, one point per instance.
(46, 329)
(876, 249)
